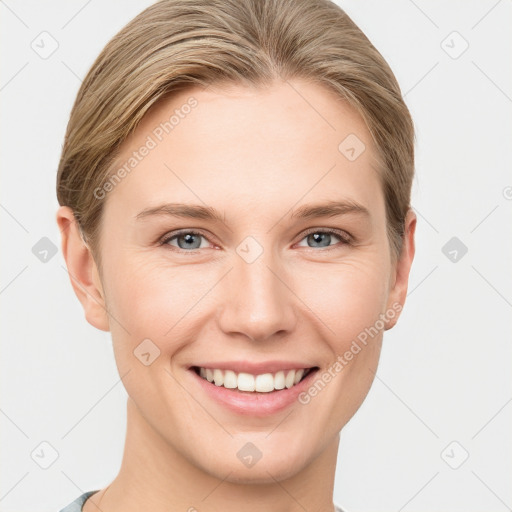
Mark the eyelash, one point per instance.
(346, 238)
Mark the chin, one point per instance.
(278, 467)
(247, 464)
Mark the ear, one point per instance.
(400, 274)
(82, 270)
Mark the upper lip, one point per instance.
(255, 368)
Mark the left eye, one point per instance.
(321, 239)
(187, 240)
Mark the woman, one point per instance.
(235, 209)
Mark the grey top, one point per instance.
(76, 506)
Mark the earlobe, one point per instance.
(400, 275)
(82, 270)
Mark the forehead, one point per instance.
(276, 143)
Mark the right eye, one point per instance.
(185, 240)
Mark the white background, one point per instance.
(445, 371)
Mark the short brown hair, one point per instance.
(175, 44)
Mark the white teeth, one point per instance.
(230, 379)
(245, 382)
(264, 383)
(279, 380)
(290, 379)
(218, 377)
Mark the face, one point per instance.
(241, 245)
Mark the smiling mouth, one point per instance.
(246, 382)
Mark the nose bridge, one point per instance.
(256, 302)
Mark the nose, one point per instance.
(257, 301)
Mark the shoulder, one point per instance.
(76, 505)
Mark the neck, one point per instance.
(155, 476)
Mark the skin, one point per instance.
(255, 155)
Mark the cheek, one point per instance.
(159, 302)
(346, 298)
(151, 309)
(155, 295)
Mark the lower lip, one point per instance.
(254, 403)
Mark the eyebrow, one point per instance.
(188, 211)
(329, 209)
